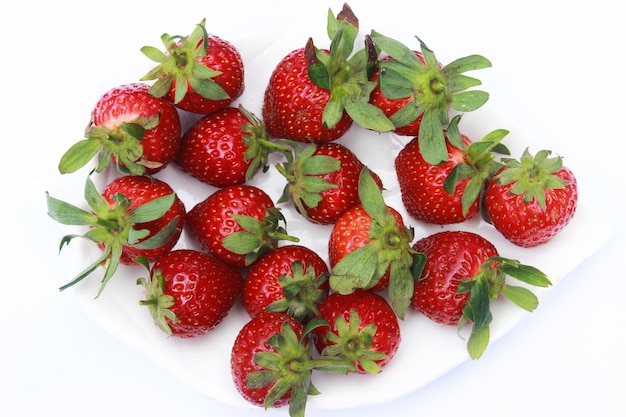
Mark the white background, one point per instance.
(557, 70)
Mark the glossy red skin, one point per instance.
(350, 232)
(210, 221)
(372, 308)
(203, 287)
(212, 150)
(128, 102)
(337, 200)
(527, 224)
(262, 287)
(421, 186)
(450, 257)
(252, 338)
(224, 57)
(141, 189)
(390, 107)
(293, 105)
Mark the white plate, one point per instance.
(427, 350)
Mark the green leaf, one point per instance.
(156, 240)
(152, 210)
(68, 214)
(477, 308)
(478, 342)
(208, 89)
(466, 101)
(79, 155)
(356, 270)
(241, 243)
(525, 273)
(368, 116)
(371, 197)
(333, 110)
(432, 142)
(397, 50)
(522, 297)
(87, 271)
(154, 54)
(468, 63)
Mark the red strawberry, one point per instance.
(272, 362)
(462, 274)
(447, 192)
(369, 248)
(315, 95)
(226, 147)
(237, 224)
(135, 216)
(531, 200)
(432, 90)
(200, 73)
(363, 329)
(190, 292)
(130, 127)
(291, 279)
(322, 180)
(391, 107)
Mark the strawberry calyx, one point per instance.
(180, 64)
(434, 90)
(156, 300)
(388, 249)
(345, 75)
(258, 145)
(290, 366)
(302, 171)
(532, 175)
(112, 227)
(487, 285)
(354, 345)
(303, 292)
(478, 163)
(121, 143)
(258, 237)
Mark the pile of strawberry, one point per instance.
(306, 314)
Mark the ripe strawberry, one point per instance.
(462, 274)
(200, 73)
(369, 248)
(130, 127)
(226, 147)
(432, 90)
(188, 292)
(135, 216)
(272, 362)
(322, 180)
(448, 192)
(531, 200)
(291, 279)
(237, 224)
(315, 94)
(391, 107)
(363, 329)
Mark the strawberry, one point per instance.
(322, 180)
(188, 292)
(532, 199)
(272, 362)
(226, 147)
(135, 217)
(291, 279)
(237, 224)
(448, 192)
(433, 90)
(200, 73)
(363, 329)
(463, 273)
(369, 248)
(391, 107)
(130, 127)
(316, 94)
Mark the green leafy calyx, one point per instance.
(486, 286)
(433, 90)
(180, 66)
(532, 175)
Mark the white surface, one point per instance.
(555, 73)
